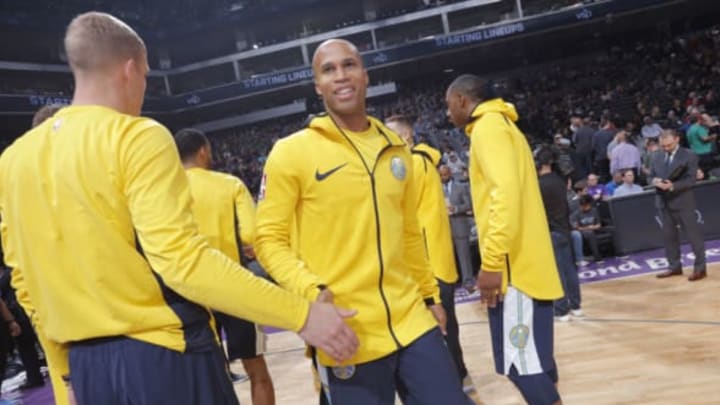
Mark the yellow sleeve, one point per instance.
(415, 255)
(245, 210)
(56, 354)
(159, 199)
(497, 159)
(280, 194)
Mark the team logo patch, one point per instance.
(57, 124)
(397, 167)
(261, 193)
(519, 336)
(344, 372)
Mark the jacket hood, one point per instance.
(433, 154)
(326, 126)
(496, 105)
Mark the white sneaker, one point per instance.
(563, 318)
(577, 313)
(582, 263)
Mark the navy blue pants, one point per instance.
(124, 371)
(568, 274)
(538, 388)
(452, 339)
(422, 373)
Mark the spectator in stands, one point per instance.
(628, 185)
(702, 142)
(594, 188)
(600, 141)
(651, 129)
(563, 156)
(455, 164)
(574, 192)
(613, 184)
(624, 155)
(9, 329)
(587, 221)
(582, 138)
(552, 188)
(574, 195)
(650, 148)
(459, 203)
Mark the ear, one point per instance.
(367, 78)
(129, 68)
(317, 89)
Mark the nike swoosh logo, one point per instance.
(322, 176)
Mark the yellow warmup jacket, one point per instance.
(513, 233)
(433, 214)
(224, 210)
(97, 224)
(357, 233)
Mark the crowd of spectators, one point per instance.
(618, 99)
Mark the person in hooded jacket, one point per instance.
(343, 186)
(519, 277)
(435, 230)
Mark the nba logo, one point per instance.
(261, 194)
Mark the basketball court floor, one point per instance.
(643, 341)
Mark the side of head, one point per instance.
(651, 145)
(580, 187)
(586, 202)
(463, 95)
(544, 159)
(669, 140)
(44, 113)
(340, 77)
(104, 51)
(194, 148)
(401, 125)
(621, 136)
(445, 173)
(628, 177)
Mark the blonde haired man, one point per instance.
(108, 261)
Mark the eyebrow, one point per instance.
(331, 63)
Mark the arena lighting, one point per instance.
(449, 70)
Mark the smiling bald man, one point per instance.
(344, 180)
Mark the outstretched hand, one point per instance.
(326, 329)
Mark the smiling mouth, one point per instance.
(345, 94)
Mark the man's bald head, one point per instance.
(97, 41)
(333, 43)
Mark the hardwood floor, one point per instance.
(644, 341)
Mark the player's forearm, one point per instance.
(281, 263)
(208, 277)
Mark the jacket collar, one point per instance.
(325, 125)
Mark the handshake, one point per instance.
(325, 328)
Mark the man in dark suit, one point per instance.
(672, 172)
(459, 203)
